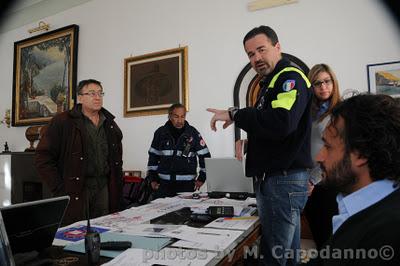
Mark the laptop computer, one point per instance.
(6, 256)
(227, 175)
(32, 225)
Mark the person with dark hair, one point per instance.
(172, 164)
(80, 155)
(321, 204)
(360, 159)
(278, 147)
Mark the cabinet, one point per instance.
(19, 180)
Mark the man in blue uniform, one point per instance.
(172, 165)
(278, 149)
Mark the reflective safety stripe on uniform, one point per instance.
(286, 99)
(287, 69)
(162, 152)
(203, 151)
(178, 177)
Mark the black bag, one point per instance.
(146, 192)
(137, 193)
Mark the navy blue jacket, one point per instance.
(278, 137)
(177, 161)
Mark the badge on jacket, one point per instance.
(202, 143)
(288, 85)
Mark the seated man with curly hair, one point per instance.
(361, 159)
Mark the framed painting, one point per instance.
(384, 78)
(44, 81)
(152, 82)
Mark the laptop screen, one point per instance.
(6, 257)
(33, 225)
(227, 175)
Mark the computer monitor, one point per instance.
(227, 175)
(33, 225)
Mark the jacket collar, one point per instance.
(76, 112)
(264, 82)
(168, 124)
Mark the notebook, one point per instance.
(227, 175)
(33, 225)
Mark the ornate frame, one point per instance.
(45, 68)
(152, 82)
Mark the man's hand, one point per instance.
(310, 188)
(155, 185)
(239, 148)
(219, 115)
(197, 185)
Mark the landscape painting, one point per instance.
(44, 76)
(384, 78)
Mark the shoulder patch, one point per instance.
(288, 85)
(202, 143)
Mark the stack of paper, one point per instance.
(166, 256)
(236, 223)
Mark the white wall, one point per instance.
(347, 35)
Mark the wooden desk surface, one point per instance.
(242, 248)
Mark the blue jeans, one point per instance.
(280, 200)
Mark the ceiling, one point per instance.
(16, 13)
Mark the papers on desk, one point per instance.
(76, 233)
(189, 195)
(133, 225)
(236, 223)
(166, 256)
(140, 215)
(238, 205)
(150, 230)
(148, 243)
(204, 238)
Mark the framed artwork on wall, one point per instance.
(384, 78)
(44, 80)
(152, 82)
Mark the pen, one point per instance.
(205, 233)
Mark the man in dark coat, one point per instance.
(80, 155)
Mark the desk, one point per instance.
(159, 210)
(243, 247)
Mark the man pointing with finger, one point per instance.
(278, 152)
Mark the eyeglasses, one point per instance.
(93, 93)
(318, 84)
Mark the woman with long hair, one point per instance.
(321, 205)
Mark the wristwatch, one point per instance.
(232, 112)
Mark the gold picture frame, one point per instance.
(44, 80)
(152, 82)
